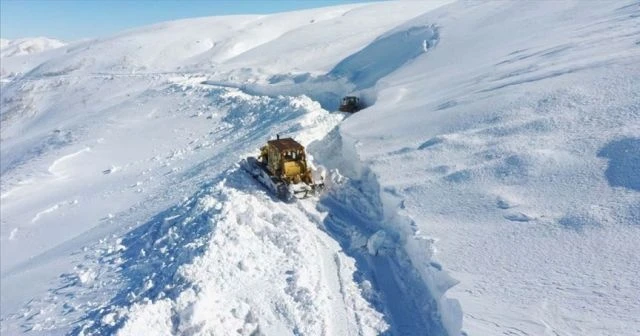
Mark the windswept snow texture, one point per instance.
(490, 187)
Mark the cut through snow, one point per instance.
(385, 55)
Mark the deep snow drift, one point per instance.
(514, 144)
(491, 187)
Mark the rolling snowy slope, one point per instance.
(19, 53)
(491, 187)
(27, 46)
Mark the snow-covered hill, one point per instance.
(19, 53)
(491, 187)
(27, 46)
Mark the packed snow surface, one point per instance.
(490, 187)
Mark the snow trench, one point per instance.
(233, 257)
(386, 54)
(357, 73)
(393, 258)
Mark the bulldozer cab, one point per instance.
(350, 104)
(283, 168)
(350, 100)
(285, 157)
(293, 155)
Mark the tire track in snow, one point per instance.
(336, 270)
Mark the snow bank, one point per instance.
(511, 143)
(389, 232)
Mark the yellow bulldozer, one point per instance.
(282, 167)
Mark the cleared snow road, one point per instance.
(233, 258)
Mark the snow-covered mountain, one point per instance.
(27, 46)
(491, 186)
(19, 53)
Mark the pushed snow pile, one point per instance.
(27, 46)
(490, 186)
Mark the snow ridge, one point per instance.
(356, 74)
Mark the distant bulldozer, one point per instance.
(350, 104)
(282, 167)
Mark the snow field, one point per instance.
(512, 158)
(499, 145)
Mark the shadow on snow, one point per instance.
(355, 213)
(624, 163)
(152, 255)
